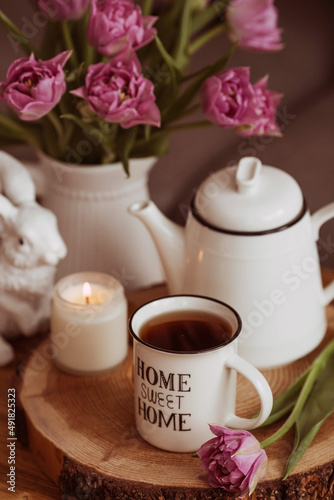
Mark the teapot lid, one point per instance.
(249, 197)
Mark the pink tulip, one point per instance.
(62, 10)
(233, 461)
(254, 24)
(226, 97)
(231, 101)
(33, 87)
(118, 92)
(264, 107)
(117, 25)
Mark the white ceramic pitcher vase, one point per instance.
(91, 203)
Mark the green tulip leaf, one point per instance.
(181, 49)
(164, 54)
(287, 400)
(211, 13)
(146, 7)
(169, 16)
(318, 407)
(89, 129)
(193, 88)
(17, 37)
(172, 76)
(50, 40)
(156, 146)
(10, 133)
(13, 128)
(124, 144)
(147, 131)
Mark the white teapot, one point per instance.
(250, 241)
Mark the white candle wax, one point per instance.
(89, 328)
(76, 294)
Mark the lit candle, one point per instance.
(89, 323)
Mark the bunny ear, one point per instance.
(7, 210)
(15, 180)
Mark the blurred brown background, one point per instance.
(303, 72)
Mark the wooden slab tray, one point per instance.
(81, 432)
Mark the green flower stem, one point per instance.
(164, 54)
(57, 125)
(182, 102)
(191, 110)
(146, 7)
(186, 126)
(69, 45)
(316, 367)
(67, 125)
(168, 60)
(17, 35)
(206, 37)
(202, 71)
(190, 76)
(19, 131)
(208, 15)
(89, 54)
(84, 50)
(168, 130)
(181, 51)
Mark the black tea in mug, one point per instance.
(186, 331)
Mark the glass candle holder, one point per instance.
(89, 323)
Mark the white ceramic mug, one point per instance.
(177, 394)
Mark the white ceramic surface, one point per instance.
(273, 281)
(90, 203)
(178, 394)
(249, 197)
(272, 278)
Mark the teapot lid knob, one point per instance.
(249, 197)
(248, 174)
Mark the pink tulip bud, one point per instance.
(231, 101)
(264, 106)
(226, 97)
(233, 461)
(254, 24)
(117, 25)
(33, 87)
(118, 92)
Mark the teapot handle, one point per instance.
(318, 219)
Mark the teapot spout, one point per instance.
(168, 238)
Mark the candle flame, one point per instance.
(86, 291)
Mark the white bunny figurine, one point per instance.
(30, 249)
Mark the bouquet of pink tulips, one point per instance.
(117, 71)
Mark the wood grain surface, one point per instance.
(81, 432)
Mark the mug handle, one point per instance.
(318, 219)
(262, 388)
